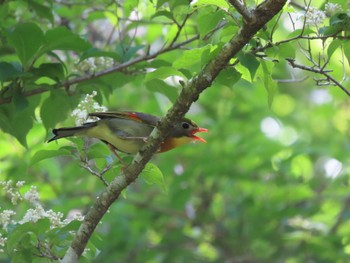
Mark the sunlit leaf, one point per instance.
(157, 85)
(333, 46)
(191, 57)
(46, 154)
(346, 48)
(151, 174)
(218, 3)
(163, 73)
(269, 83)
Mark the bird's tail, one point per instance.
(68, 132)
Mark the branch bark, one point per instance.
(190, 93)
(242, 9)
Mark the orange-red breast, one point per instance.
(128, 131)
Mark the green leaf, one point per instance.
(16, 121)
(157, 85)
(160, 3)
(126, 52)
(346, 48)
(94, 52)
(269, 83)
(286, 50)
(341, 19)
(250, 62)
(151, 174)
(208, 20)
(163, 73)
(228, 77)
(164, 13)
(61, 38)
(19, 100)
(9, 71)
(41, 10)
(304, 32)
(192, 57)
(98, 150)
(46, 154)
(330, 30)
(333, 46)
(54, 71)
(20, 232)
(27, 38)
(54, 108)
(218, 3)
(21, 125)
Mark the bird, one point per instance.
(127, 131)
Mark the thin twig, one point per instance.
(319, 71)
(116, 68)
(85, 164)
(179, 29)
(97, 174)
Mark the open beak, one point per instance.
(196, 138)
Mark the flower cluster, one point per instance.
(316, 17)
(32, 195)
(12, 191)
(332, 9)
(33, 214)
(2, 242)
(5, 218)
(84, 107)
(37, 213)
(93, 64)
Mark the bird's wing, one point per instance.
(129, 115)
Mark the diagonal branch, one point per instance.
(242, 9)
(190, 93)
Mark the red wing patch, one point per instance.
(134, 116)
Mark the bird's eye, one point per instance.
(185, 125)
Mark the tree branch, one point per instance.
(242, 9)
(190, 93)
(319, 71)
(116, 68)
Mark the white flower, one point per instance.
(32, 195)
(11, 191)
(93, 64)
(55, 218)
(5, 218)
(33, 215)
(2, 242)
(20, 184)
(332, 9)
(74, 214)
(84, 107)
(313, 17)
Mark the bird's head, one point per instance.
(182, 133)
